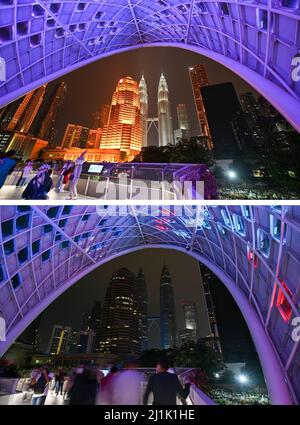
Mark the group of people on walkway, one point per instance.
(86, 385)
(40, 185)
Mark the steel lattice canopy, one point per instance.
(259, 40)
(253, 250)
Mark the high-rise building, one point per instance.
(144, 110)
(199, 79)
(183, 130)
(20, 115)
(165, 126)
(31, 334)
(93, 322)
(120, 320)
(124, 129)
(208, 279)
(167, 310)
(60, 340)
(223, 110)
(75, 136)
(142, 300)
(100, 118)
(251, 109)
(190, 331)
(45, 121)
(94, 138)
(85, 341)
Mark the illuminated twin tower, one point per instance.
(164, 118)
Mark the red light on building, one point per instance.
(282, 303)
(252, 257)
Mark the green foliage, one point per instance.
(191, 151)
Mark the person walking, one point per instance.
(64, 176)
(75, 176)
(165, 386)
(84, 389)
(60, 383)
(40, 385)
(25, 173)
(7, 163)
(40, 185)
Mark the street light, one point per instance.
(217, 375)
(232, 174)
(243, 379)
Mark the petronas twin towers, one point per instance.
(164, 118)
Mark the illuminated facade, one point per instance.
(120, 322)
(75, 136)
(183, 130)
(167, 311)
(92, 155)
(124, 128)
(60, 340)
(253, 250)
(144, 110)
(45, 40)
(165, 126)
(199, 79)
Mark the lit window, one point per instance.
(284, 307)
(239, 224)
(252, 257)
(263, 242)
(226, 217)
(247, 211)
(275, 228)
(221, 229)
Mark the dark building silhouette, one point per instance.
(142, 300)
(167, 310)
(31, 334)
(209, 279)
(92, 322)
(45, 122)
(228, 126)
(120, 320)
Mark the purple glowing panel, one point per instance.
(254, 251)
(259, 40)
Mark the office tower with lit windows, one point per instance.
(227, 123)
(75, 136)
(60, 340)
(144, 110)
(45, 122)
(167, 310)
(199, 79)
(208, 279)
(100, 118)
(120, 321)
(165, 126)
(124, 128)
(142, 300)
(31, 335)
(183, 130)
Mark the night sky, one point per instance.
(93, 85)
(68, 308)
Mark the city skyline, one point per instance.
(149, 63)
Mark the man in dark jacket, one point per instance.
(165, 386)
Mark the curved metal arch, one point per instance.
(93, 236)
(257, 40)
(275, 379)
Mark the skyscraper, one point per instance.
(208, 279)
(60, 340)
(183, 123)
(144, 110)
(165, 126)
(47, 115)
(75, 136)
(142, 300)
(190, 322)
(100, 118)
(124, 128)
(31, 334)
(224, 114)
(199, 79)
(167, 310)
(120, 320)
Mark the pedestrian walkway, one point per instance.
(13, 192)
